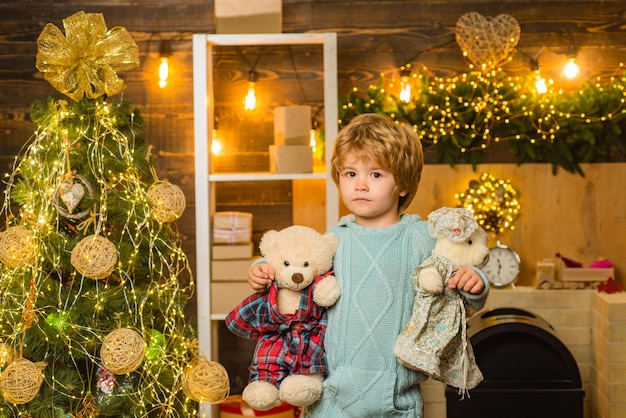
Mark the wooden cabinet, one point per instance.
(206, 176)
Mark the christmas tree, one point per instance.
(93, 280)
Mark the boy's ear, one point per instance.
(402, 193)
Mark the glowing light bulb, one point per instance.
(540, 83)
(216, 146)
(164, 71)
(216, 143)
(405, 93)
(250, 100)
(405, 86)
(165, 52)
(571, 69)
(250, 97)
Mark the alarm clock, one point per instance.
(502, 268)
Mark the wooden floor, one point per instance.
(565, 212)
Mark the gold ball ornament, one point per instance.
(167, 201)
(94, 257)
(206, 381)
(17, 247)
(20, 381)
(122, 351)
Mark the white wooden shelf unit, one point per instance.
(203, 102)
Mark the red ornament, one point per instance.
(610, 286)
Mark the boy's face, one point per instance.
(369, 192)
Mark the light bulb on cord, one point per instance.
(571, 69)
(250, 101)
(165, 52)
(540, 83)
(405, 85)
(216, 144)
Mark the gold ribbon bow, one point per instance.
(84, 61)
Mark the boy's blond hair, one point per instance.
(393, 146)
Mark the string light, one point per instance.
(165, 52)
(78, 311)
(250, 100)
(493, 201)
(405, 83)
(540, 83)
(460, 116)
(571, 69)
(216, 143)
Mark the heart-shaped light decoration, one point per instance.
(487, 42)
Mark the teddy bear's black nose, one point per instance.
(297, 278)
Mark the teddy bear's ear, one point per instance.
(331, 241)
(268, 240)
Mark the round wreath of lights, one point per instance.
(494, 203)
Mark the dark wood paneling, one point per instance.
(373, 36)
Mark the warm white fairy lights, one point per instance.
(63, 325)
(493, 201)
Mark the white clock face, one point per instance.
(503, 266)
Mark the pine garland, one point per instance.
(459, 118)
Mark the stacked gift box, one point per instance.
(245, 16)
(234, 407)
(291, 152)
(231, 257)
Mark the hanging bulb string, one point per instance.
(252, 67)
(295, 72)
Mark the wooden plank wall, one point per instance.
(374, 37)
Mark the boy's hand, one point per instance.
(467, 279)
(259, 276)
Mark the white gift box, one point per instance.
(291, 159)
(292, 125)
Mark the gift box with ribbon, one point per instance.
(232, 227)
(234, 407)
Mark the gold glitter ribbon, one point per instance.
(83, 63)
(28, 314)
(89, 407)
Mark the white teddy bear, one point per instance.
(434, 341)
(289, 319)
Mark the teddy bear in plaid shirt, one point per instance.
(289, 318)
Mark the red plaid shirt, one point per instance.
(288, 344)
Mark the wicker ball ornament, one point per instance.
(122, 351)
(17, 247)
(206, 381)
(167, 201)
(94, 257)
(20, 381)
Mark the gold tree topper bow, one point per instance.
(84, 61)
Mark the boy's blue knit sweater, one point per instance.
(374, 268)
